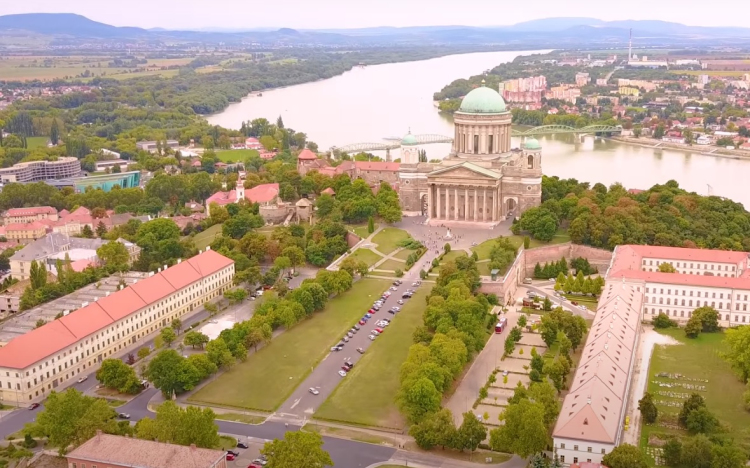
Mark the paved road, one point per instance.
(325, 377)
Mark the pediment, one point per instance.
(465, 171)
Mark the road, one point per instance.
(324, 378)
(545, 288)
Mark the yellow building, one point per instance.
(628, 91)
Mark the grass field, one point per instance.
(698, 358)
(366, 395)
(388, 239)
(204, 239)
(269, 376)
(367, 256)
(46, 68)
(231, 156)
(37, 142)
(404, 254)
(483, 249)
(360, 229)
(724, 73)
(588, 301)
(454, 254)
(392, 265)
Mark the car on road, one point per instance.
(123, 415)
(371, 337)
(357, 327)
(342, 373)
(392, 312)
(232, 452)
(33, 406)
(379, 330)
(416, 283)
(362, 321)
(583, 307)
(313, 390)
(375, 332)
(360, 351)
(368, 315)
(505, 373)
(338, 347)
(230, 457)
(346, 339)
(242, 445)
(575, 303)
(350, 334)
(400, 302)
(83, 379)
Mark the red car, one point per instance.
(371, 311)
(230, 456)
(379, 330)
(34, 406)
(362, 322)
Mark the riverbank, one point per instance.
(703, 150)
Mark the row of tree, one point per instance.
(579, 284)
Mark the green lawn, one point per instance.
(268, 377)
(37, 142)
(698, 358)
(232, 156)
(366, 395)
(361, 229)
(393, 265)
(483, 249)
(484, 268)
(588, 301)
(404, 254)
(204, 239)
(452, 255)
(388, 239)
(367, 256)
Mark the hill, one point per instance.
(68, 24)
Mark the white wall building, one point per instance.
(52, 356)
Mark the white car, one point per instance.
(382, 323)
(371, 337)
(342, 373)
(314, 391)
(83, 379)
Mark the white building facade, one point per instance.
(52, 356)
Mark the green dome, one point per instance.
(409, 140)
(532, 144)
(483, 100)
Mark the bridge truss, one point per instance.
(553, 129)
(390, 143)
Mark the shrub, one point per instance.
(399, 273)
(663, 321)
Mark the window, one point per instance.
(562, 446)
(589, 449)
(575, 460)
(562, 458)
(575, 447)
(604, 451)
(531, 162)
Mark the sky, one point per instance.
(327, 14)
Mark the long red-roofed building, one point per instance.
(53, 355)
(638, 288)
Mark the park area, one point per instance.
(205, 238)
(366, 396)
(483, 249)
(268, 377)
(237, 155)
(693, 366)
(388, 238)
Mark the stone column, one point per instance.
(466, 204)
(474, 216)
(437, 201)
(455, 203)
(484, 204)
(494, 205)
(429, 200)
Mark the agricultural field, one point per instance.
(232, 156)
(48, 68)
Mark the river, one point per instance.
(375, 102)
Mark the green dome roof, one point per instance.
(532, 144)
(409, 140)
(483, 100)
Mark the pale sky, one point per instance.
(317, 14)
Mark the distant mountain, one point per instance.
(65, 24)
(541, 33)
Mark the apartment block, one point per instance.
(52, 356)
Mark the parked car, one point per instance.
(342, 373)
(123, 415)
(375, 332)
(400, 302)
(337, 348)
(575, 303)
(33, 406)
(505, 373)
(313, 390)
(346, 339)
(360, 351)
(392, 312)
(396, 308)
(362, 322)
(242, 445)
(371, 311)
(350, 334)
(83, 379)
(379, 330)
(236, 454)
(371, 337)
(353, 330)
(397, 283)
(368, 315)
(230, 457)
(357, 327)
(348, 364)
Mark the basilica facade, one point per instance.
(483, 181)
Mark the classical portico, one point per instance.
(464, 192)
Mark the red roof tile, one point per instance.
(34, 210)
(36, 345)
(86, 321)
(152, 288)
(262, 193)
(181, 275)
(121, 303)
(377, 166)
(209, 262)
(306, 154)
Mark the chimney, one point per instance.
(107, 294)
(65, 312)
(150, 273)
(98, 434)
(158, 270)
(179, 260)
(85, 303)
(165, 268)
(208, 248)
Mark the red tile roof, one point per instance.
(262, 193)
(57, 335)
(377, 166)
(306, 154)
(25, 226)
(35, 210)
(329, 191)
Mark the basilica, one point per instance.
(483, 181)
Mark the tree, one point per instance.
(547, 304)
(418, 398)
(524, 431)
(182, 426)
(667, 268)
(738, 340)
(471, 432)
(625, 456)
(548, 329)
(697, 452)
(708, 317)
(143, 352)
(727, 456)
(196, 339)
(370, 225)
(37, 275)
(447, 247)
(663, 321)
(115, 255)
(171, 373)
(218, 352)
(435, 430)
(672, 452)
(87, 232)
(168, 335)
(510, 346)
(648, 409)
(176, 325)
(297, 449)
(522, 321)
(117, 375)
(693, 327)
(72, 418)
(701, 421)
(101, 229)
(694, 402)
(54, 135)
